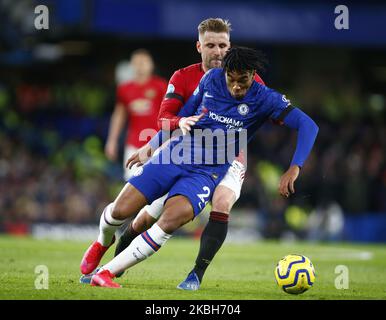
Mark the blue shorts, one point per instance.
(154, 180)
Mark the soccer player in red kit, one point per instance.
(213, 43)
(138, 103)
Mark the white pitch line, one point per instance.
(362, 255)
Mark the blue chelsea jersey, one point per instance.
(231, 122)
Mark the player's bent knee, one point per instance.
(223, 201)
(170, 221)
(149, 220)
(143, 221)
(178, 211)
(120, 212)
(129, 202)
(170, 224)
(139, 224)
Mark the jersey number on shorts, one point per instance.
(204, 197)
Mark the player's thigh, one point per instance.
(198, 188)
(229, 189)
(155, 179)
(128, 202)
(177, 212)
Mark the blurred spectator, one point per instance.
(138, 103)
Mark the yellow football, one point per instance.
(295, 273)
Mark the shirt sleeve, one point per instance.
(307, 132)
(190, 107)
(172, 102)
(176, 87)
(278, 105)
(163, 88)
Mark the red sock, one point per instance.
(218, 216)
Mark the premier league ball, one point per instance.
(295, 274)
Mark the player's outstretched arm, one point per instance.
(307, 132)
(287, 181)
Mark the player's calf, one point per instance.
(212, 237)
(142, 247)
(178, 211)
(142, 222)
(128, 202)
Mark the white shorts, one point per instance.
(128, 152)
(233, 180)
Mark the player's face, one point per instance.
(238, 83)
(213, 47)
(142, 64)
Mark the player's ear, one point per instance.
(198, 46)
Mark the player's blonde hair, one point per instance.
(214, 25)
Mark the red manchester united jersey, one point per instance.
(181, 86)
(142, 103)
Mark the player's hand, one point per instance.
(287, 181)
(187, 123)
(140, 156)
(111, 150)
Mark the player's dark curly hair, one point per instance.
(244, 59)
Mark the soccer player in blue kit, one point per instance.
(227, 100)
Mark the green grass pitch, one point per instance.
(239, 271)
